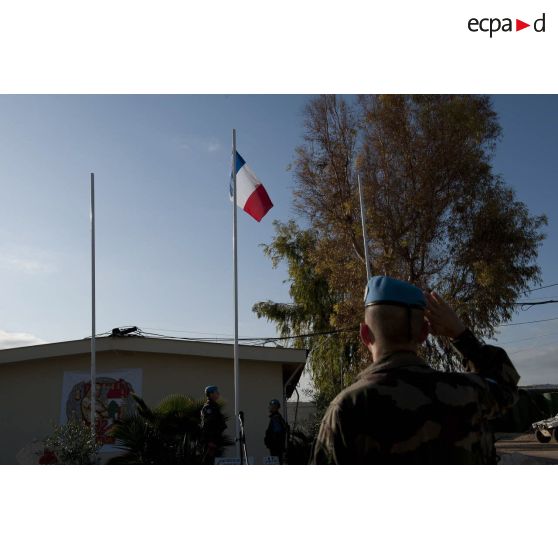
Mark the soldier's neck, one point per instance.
(381, 351)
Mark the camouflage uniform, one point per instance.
(401, 411)
(213, 425)
(276, 435)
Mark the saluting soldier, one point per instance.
(276, 433)
(402, 411)
(213, 424)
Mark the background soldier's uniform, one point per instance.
(401, 411)
(213, 424)
(276, 435)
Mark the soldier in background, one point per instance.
(401, 411)
(213, 425)
(276, 433)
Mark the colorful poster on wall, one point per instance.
(113, 399)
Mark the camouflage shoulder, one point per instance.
(324, 446)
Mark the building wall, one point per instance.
(30, 391)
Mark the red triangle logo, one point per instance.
(519, 25)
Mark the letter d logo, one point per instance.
(539, 24)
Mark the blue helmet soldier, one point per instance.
(276, 433)
(213, 425)
(402, 411)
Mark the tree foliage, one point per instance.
(313, 304)
(72, 443)
(437, 215)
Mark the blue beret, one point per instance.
(211, 389)
(275, 402)
(386, 290)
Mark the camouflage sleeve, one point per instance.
(331, 446)
(491, 370)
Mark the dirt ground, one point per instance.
(523, 449)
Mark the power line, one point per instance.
(532, 322)
(252, 339)
(264, 340)
(276, 340)
(543, 287)
(530, 303)
(187, 331)
(537, 299)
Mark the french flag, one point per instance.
(250, 192)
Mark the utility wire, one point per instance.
(543, 287)
(530, 303)
(253, 339)
(532, 322)
(525, 305)
(264, 340)
(187, 331)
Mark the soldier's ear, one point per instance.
(366, 335)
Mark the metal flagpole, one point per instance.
(364, 234)
(93, 392)
(235, 288)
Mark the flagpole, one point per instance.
(364, 234)
(235, 288)
(93, 392)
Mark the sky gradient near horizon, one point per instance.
(164, 219)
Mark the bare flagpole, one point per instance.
(364, 234)
(93, 392)
(235, 288)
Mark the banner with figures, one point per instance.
(113, 399)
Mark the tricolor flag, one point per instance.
(250, 192)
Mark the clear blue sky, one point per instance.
(164, 218)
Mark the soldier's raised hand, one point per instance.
(442, 319)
